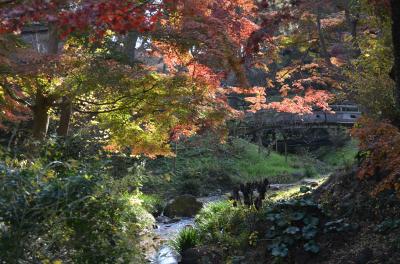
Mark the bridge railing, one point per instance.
(341, 114)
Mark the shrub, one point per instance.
(190, 186)
(379, 154)
(69, 214)
(310, 172)
(220, 222)
(152, 203)
(186, 239)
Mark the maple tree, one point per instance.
(70, 15)
(52, 84)
(297, 45)
(138, 77)
(11, 110)
(210, 42)
(379, 142)
(63, 18)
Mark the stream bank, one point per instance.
(166, 228)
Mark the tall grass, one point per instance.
(186, 239)
(341, 157)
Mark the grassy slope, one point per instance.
(207, 166)
(252, 163)
(341, 157)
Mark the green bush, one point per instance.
(62, 212)
(190, 186)
(310, 172)
(152, 203)
(284, 226)
(186, 239)
(221, 222)
(293, 222)
(341, 157)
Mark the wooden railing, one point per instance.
(342, 115)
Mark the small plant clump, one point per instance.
(186, 239)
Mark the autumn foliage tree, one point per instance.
(208, 43)
(379, 143)
(54, 80)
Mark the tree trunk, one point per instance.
(130, 46)
(395, 5)
(65, 117)
(53, 42)
(352, 21)
(43, 103)
(324, 50)
(40, 116)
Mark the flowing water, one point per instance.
(167, 229)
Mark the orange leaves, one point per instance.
(182, 131)
(205, 73)
(318, 98)
(285, 90)
(117, 15)
(335, 20)
(257, 98)
(11, 111)
(303, 87)
(338, 62)
(295, 105)
(303, 104)
(380, 142)
(217, 28)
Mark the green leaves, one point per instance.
(297, 222)
(82, 210)
(292, 230)
(293, 221)
(296, 216)
(186, 239)
(309, 231)
(312, 247)
(337, 226)
(279, 250)
(387, 225)
(313, 221)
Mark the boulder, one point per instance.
(310, 182)
(183, 206)
(201, 255)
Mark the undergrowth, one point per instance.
(282, 227)
(340, 157)
(203, 166)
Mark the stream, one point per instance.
(169, 228)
